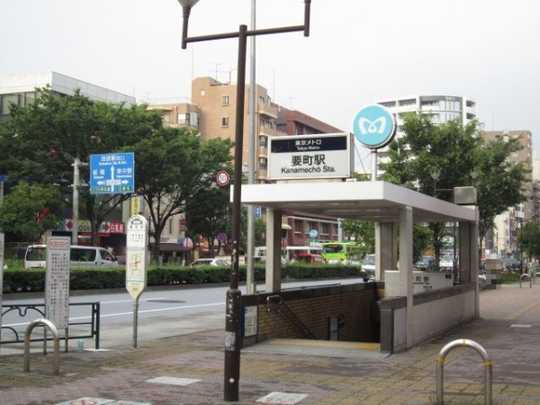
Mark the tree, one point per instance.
(363, 232)
(30, 210)
(498, 179)
(40, 141)
(529, 240)
(433, 159)
(173, 167)
(207, 214)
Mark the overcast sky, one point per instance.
(359, 52)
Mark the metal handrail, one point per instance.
(27, 337)
(486, 361)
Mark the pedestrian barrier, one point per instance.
(27, 337)
(526, 276)
(488, 369)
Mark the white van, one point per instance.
(81, 256)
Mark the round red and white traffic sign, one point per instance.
(223, 178)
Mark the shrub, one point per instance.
(100, 278)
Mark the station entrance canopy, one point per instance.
(376, 201)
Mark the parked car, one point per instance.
(368, 265)
(210, 262)
(511, 263)
(426, 263)
(80, 256)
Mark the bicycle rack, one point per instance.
(27, 338)
(488, 371)
(525, 276)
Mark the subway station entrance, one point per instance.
(390, 314)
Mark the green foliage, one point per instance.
(29, 210)
(85, 279)
(39, 142)
(174, 167)
(363, 232)
(423, 238)
(529, 240)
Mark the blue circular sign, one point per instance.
(313, 234)
(374, 126)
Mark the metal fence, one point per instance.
(12, 335)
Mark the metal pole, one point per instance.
(232, 318)
(135, 321)
(75, 215)
(339, 229)
(2, 250)
(250, 271)
(374, 165)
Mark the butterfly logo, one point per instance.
(374, 127)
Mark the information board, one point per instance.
(137, 255)
(310, 157)
(250, 321)
(57, 281)
(112, 173)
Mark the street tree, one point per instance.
(529, 240)
(41, 140)
(29, 210)
(362, 232)
(173, 167)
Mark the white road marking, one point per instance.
(146, 311)
(173, 381)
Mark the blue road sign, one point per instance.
(258, 212)
(3, 178)
(313, 233)
(112, 173)
(374, 126)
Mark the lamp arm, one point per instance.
(307, 17)
(187, 12)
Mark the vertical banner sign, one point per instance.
(136, 264)
(57, 281)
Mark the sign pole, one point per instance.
(374, 164)
(136, 265)
(75, 214)
(2, 179)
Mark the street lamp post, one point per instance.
(232, 318)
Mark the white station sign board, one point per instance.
(57, 281)
(307, 157)
(137, 255)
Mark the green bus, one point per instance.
(342, 253)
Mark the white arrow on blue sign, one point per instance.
(112, 173)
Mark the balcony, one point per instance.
(267, 131)
(269, 109)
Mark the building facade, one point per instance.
(20, 89)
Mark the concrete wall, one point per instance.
(354, 305)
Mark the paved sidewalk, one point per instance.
(408, 378)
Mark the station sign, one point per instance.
(112, 173)
(308, 157)
(57, 281)
(374, 126)
(137, 255)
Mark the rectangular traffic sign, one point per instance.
(112, 173)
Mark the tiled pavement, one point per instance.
(406, 378)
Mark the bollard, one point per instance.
(488, 372)
(524, 277)
(27, 337)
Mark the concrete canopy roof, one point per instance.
(370, 200)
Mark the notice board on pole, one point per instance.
(57, 281)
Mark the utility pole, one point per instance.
(251, 285)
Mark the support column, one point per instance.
(475, 262)
(406, 265)
(385, 249)
(464, 252)
(273, 250)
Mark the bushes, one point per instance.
(92, 278)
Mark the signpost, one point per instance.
(309, 157)
(112, 173)
(57, 281)
(374, 126)
(1, 277)
(136, 264)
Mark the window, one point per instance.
(83, 255)
(298, 226)
(183, 118)
(262, 163)
(263, 141)
(29, 98)
(224, 122)
(410, 101)
(325, 228)
(225, 100)
(105, 255)
(388, 104)
(7, 100)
